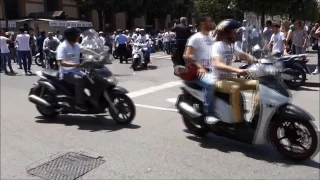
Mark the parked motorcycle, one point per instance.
(138, 56)
(53, 96)
(50, 59)
(290, 129)
(37, 60)
(295, 69)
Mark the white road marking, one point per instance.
(156, 108)
(154, 89)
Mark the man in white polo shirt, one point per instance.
(23, 40)
(5, 53)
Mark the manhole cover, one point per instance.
(66, 167)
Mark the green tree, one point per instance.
(99, 5)
(217, 9)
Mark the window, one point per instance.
(51, 6)
(11, 9)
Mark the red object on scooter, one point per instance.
(187, 72)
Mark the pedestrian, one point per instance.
(299, 37)
(121, 40)
(40, 41)
(166, 41)
(267, 33)
(183, 33)
(277, 41)
(245, 36)
(5, 53)
(317, 36)
(24, 50)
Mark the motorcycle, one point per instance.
(37, 60)
(295, 70)
(53, 96)
(116, 55)
(276, 121)
(138, 56)
(50, 55)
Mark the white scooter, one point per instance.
(138, 60)
(290, 129)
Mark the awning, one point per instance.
(61, 23)
(11, 24)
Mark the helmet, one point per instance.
(137, 29)
(141, 30)
(71, 34)
(224, 28)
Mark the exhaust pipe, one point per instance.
(189, 110)
(38, 101)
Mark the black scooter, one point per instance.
(53, 96)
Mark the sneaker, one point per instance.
(316, 71)
(81, 107)
(29, 72)
(211, 120)
(25, 73)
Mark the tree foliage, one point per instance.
(299, 9)
(215, 8)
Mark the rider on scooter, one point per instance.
(222, 53)
(143, 38)
(198, 51)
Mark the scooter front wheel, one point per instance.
(294, 139)
(38, 61)
(126, 109)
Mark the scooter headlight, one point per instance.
(111, 80)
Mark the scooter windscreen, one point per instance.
(93, 48)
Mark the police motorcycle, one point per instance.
(138, 55)
(287, 127)
(295, 70)
(53, 96)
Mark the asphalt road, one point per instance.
(155, 146)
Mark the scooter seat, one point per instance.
(193, 85)
(50, 73)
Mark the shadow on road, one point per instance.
(312, 84)
(261, 152)
(89, 123)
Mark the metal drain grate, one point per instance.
(69, 166)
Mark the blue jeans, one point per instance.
(166, 46)
(207, 82)
(318, 65)
(5, 59)
(147, 54)
(18, 58)
(24, 55)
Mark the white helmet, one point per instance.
(137, 29)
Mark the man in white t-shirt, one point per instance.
(198, 51)
(245, 35)
(5, 53)
(277, 41)
(166, 41)
(23, 40)
(222, 53)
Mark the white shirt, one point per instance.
(254, 33)
(71, 54)
(245, 33)
(142, 39)
(4, 45)
(134, 37)
(23, 42)
(166, 37)
(226, 52)
(277, 40)
(202, 49)
(47, 40)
